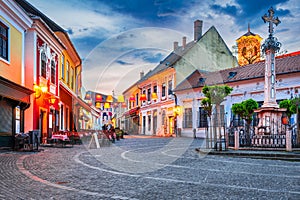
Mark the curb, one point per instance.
(250, 154)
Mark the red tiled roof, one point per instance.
(284, 64)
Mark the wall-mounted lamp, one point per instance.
(39, 90)
(177, 110)
(52, 100)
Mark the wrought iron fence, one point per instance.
(272, 136)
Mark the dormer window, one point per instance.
(202, 80)
(232, 74)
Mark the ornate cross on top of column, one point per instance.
(271, 20)
(270, 47)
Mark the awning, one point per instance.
(15, 92)
(132, 112)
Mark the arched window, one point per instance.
(244, 51)
(255, 50)
(43, 64)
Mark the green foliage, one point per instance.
(245, 109)
(216, 93)
(290, 106)
(206, 103)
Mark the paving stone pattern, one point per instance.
(81, 173)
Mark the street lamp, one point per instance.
(176, 113)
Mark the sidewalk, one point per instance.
(256, 153)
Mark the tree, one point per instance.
(290, 107)
(296, 102)
(215, 95)
(245, 110)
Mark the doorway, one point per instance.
(171, 125)
(43, 125)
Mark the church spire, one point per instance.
(248, 27)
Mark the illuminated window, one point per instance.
(43, 64)
(18, 119)
(3, 41)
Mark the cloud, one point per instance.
(135, 34)
(118, 60)
(121, 62)
(149, 56)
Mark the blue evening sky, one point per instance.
(119, 38)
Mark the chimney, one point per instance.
(197, 29)
(141, 74)
(175, 45)
(183, 42)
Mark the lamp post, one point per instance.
(176, 111)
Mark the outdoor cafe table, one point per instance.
(59, 138)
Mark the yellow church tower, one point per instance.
(248, 48)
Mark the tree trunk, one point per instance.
(248, 142)
(219, 134)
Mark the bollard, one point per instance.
(288, 141)
(236, 140)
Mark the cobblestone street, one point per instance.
(144, 168)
